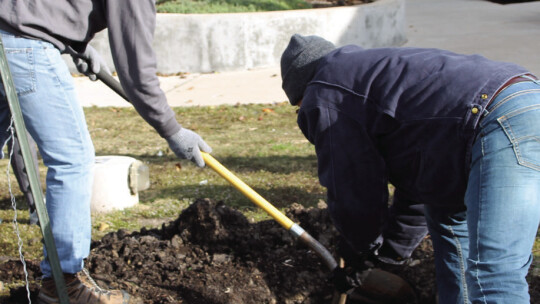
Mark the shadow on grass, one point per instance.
(6, 204)
(282, 164)
(277, 196)
(280, 195)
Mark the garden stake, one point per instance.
(258, 200)
(44, 223)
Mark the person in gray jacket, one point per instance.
(35, 34)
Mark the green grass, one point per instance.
(261, 144)
(227, 6)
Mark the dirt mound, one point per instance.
(213, 254)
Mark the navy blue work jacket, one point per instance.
(401, 115)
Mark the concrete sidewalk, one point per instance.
(500, 32)
(254, 86)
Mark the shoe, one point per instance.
(82, 289)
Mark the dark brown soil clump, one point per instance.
(213, 254)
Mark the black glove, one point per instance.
(346, 279)
(352, 258)
(363, 281)
(357, 268)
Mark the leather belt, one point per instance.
(517, 79)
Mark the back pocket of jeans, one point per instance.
(522, 127)
(22, 67)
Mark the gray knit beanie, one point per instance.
(298, 63)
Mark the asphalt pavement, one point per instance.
(508, 32)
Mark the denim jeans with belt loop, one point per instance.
(483, 254)
(55, 120)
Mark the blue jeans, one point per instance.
(56, 122)
(483, 253)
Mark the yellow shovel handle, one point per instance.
(247, 191)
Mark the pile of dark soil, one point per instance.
(213, 254)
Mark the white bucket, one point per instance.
(115, 183)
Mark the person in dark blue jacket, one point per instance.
(458, 136)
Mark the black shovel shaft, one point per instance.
(319, 249)
(112, 83)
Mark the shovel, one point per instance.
(283, 220)
(258, 200)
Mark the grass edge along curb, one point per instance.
(227, 6)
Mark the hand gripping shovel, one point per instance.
(258, 200)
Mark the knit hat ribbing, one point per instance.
(299, 62)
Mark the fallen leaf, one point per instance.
(267, 110)
(103, 226)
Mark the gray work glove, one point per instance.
(187, 144)
(90, 62)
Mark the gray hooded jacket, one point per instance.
(72, 24)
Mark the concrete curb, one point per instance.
(499, 32)
(198, 89)
(205, 43)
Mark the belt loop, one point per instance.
(535, 80)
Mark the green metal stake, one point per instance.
(44, 223)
